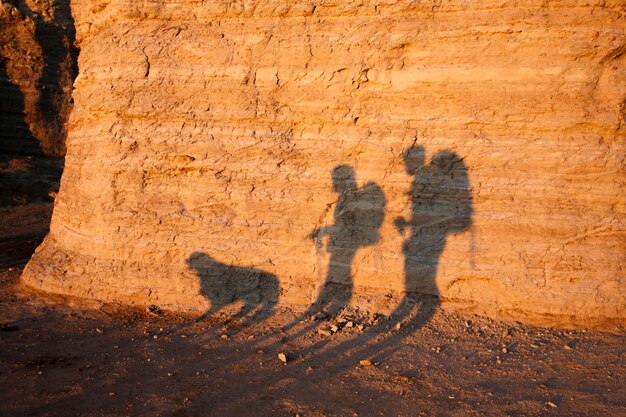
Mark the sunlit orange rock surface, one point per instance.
(222, 151)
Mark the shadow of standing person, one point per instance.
(358, 216)
(441, 205)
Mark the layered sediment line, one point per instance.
(475, 154)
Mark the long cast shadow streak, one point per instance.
(411, 315)
(378, 342)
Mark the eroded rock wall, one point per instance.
(266, 140)
(37, 68)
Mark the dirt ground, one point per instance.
(66, 357)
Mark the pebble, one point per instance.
(350, 324)
(154, 310)
(321, 316)
(334, 328)
(365, 362)
(567, 347)
(551, 404)
(282, 357)
(225, 336)
(324, 332)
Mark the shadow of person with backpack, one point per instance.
(441, 206)
(358, 215)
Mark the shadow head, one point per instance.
(199, 260)
(344, 178)
(414, 159)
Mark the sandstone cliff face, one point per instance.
(37, 68)
(470, 151)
